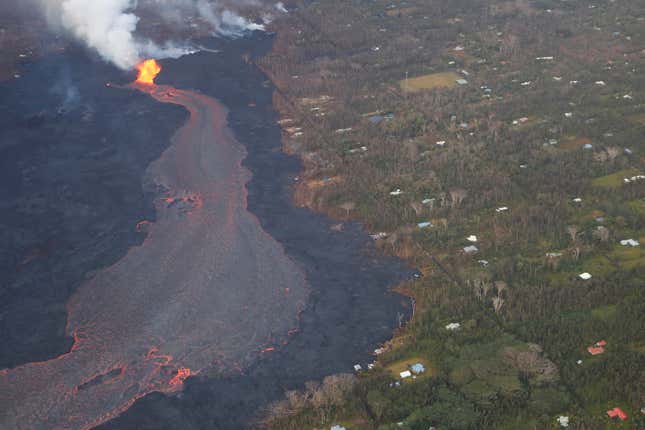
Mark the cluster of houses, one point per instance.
(615, 413)
(413, 372)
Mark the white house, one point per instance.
(453, 326)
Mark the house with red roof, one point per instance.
(597, 348)
(617, 413)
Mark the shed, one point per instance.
(470, 249)
(417, 368)
(337, 427)
(563, 421)
(405, 374)
(629, 242)
(453, 326)
(595, 350)
(585, 276)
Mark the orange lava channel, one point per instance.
(206, 289)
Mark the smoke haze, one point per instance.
(110, 26)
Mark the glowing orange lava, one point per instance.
(148, 71)
(182, 373)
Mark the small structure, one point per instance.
(379, 235)
(585, 276)
(417, 368)
(597, 348)
(396, 192)
(629, 242)
(358, 368)
(427, 201)
(343, 130)
(461, 81)
(634, 178)
(568, 114)
(424, 224)
(501, 209)
(563, 421)
(337, 427)
(360, 149)
(470, 249)
(441, 142)
(405, 374)
(453, 326)
(472, 238)
(577, 200)
(617, 413)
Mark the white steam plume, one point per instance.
(107, 26)
(226, 22)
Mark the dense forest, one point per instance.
(498, 146)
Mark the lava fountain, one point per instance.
(148, 71)
(205, 290)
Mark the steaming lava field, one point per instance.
(155, 273)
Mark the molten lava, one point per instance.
(148, 71)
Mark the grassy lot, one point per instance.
(614, 180)
(399, 366)
(429, 82)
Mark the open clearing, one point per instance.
(430, 82)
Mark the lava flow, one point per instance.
(148, 71)
(206, 288)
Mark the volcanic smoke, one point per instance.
(148, 71)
